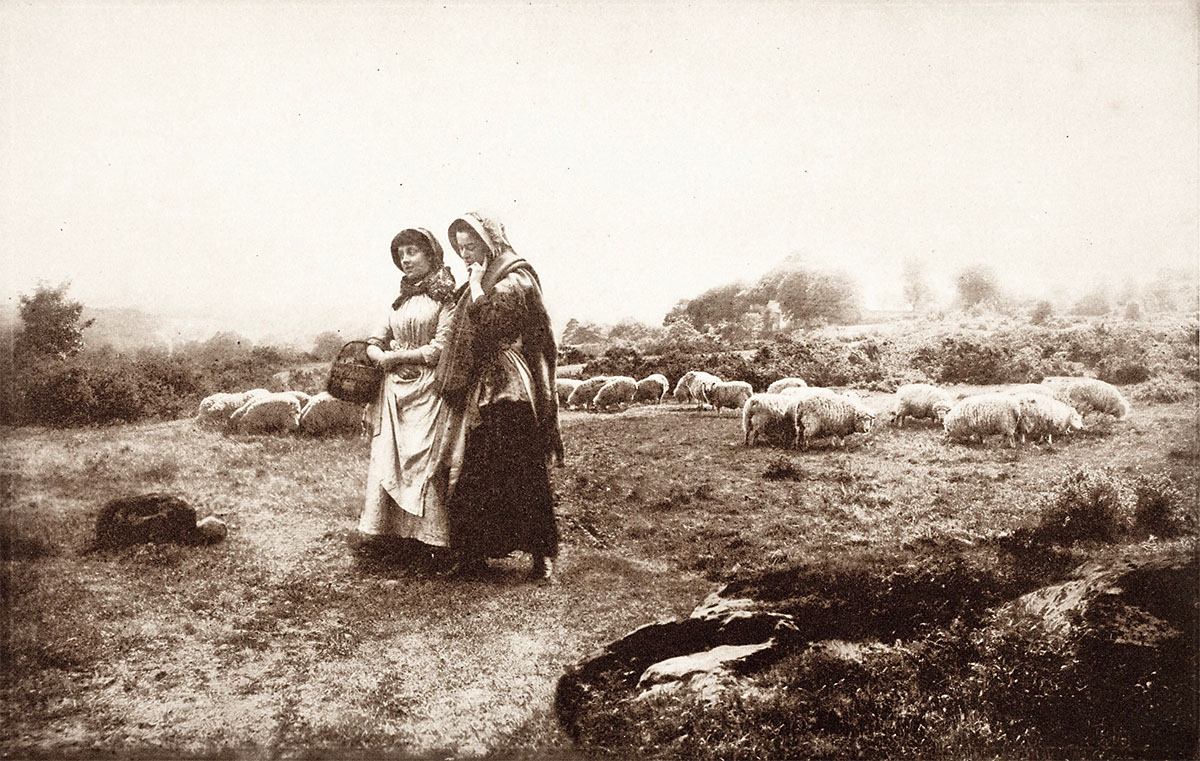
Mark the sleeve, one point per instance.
(432, 351)
(382, 335)
(499, 316)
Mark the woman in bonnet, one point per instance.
(497, 382)
(402, 500)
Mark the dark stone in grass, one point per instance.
(158, 518)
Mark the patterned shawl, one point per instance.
(459, 361)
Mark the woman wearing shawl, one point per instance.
(402, 499)
(497, 382)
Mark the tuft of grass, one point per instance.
(783, 468)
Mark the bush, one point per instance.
(1089, 504)
(1122, 371)
(1164, 390)
(103, 386)
(1158, 506)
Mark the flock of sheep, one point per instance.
(791, 413)
(261, 411)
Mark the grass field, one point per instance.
(282, 641)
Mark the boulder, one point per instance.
(155, 517)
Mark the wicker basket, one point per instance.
(353, 378)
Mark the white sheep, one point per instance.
(1042, 416)
(652, 388)
(822, 413)
(785, 383)
(982, 415)
(766, 417)
(688, 388)
(563, 388)
(618, 391)
(301, 396)
(585, 392)
(272, 412)
(216, 409)
(325, 414)
(1092, 395)
(921, 400)
(731, 394)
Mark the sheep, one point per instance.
(766, 416)
(1043, 416)
(688, 388)
(981, 415)
(921, 400)
(325, 414)
(215, 409)
(272, 412)
(652, 388)
(585, 392)
(732, 394)
(563, 388)
(785, 383)
(301, 396)
(619, 390)
(823, 413)
(1092, 395)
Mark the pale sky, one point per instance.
(248, 164)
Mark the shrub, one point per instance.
(1158, 506)
(1164, 389)
(1042, 311)
(1122, 371)
(1088, 504)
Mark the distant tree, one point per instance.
(724, 303)
(1093, 303)
(327, 344)
(810, 297)
(1042, 311)
(51, 323)
(916, 289)
(577, 332)
(677, 313)
(634, 332)
(977, 285)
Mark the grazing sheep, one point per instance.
(1042, 416)
(563, 388)
(325, 414)
(826, 413)
(272, 412)
(585, 392)
(766, 417)
(652, 388)
(215, 410)
(785, 383)
(1091, 395)
(921, 400)
(732, 394)
(982, 415)
(619, 391)
(688, 388)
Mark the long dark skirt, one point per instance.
(503, 500)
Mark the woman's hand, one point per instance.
(376, 355)
(475, 279)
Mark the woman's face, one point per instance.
(472, 249)
(414, 261)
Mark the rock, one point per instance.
(706, 674)
(157, 518)
(212, 529)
